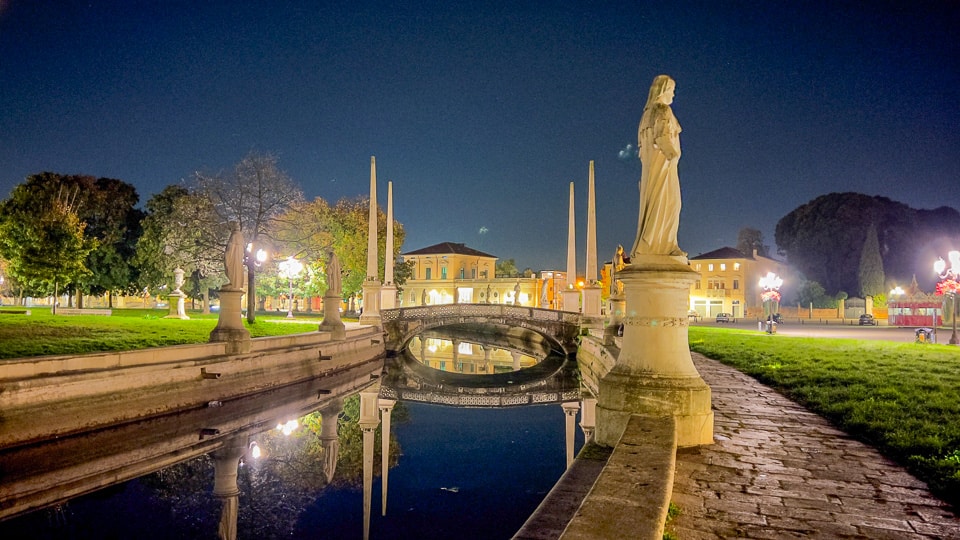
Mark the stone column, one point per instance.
(654, 374)
(516, 360)
(570, 409)
(588, 416)
(386, 407)
(226, 461)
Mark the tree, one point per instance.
(749, 239)
(44, 249)
(254, 194)
(811, 292)
(507, 268)
(870, 273)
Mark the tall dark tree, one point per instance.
(749, 239)
(824, 238)
(870, 273)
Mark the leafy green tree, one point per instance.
(47, 248)
(811, 292)
(507, 268)
(871, 266)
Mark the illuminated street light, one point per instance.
(770, 284)
(949, 285)
(253, 261)
(290, 269)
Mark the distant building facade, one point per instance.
(453, 273)
(729, 282)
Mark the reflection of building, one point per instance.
(729, 281)
(449, 273)
(467, 357)
(915, 308)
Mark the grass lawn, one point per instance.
(901, 398)
(41, 333)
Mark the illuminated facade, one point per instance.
(449, 273)
(729, 282)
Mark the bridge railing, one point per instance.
(479, 310)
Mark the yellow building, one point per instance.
(729, 282)
(449, 273)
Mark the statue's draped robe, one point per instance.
(659, 142)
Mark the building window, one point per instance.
(461, 273)
(697, 285)
(710, 267)
(715, 284)
(473, 273)
(428, 272)
(723, 267)
(736, 266)
(736, 284)
(443, 273)
(698, 267)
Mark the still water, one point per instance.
(463, 473)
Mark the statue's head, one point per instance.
(662, 87)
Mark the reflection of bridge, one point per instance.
(561, 327)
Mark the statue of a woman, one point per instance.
(659, 144)
(333, 275)
(233, 257)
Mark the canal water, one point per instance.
(456, 472)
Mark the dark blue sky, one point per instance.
(481, 114)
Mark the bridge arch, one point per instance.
(402, 324)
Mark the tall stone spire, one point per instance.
(372, 224)
(388, 293)
(591, 290)
(591, 269)
(371, 286)
(570, 295)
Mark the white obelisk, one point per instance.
(388, 293)
(591, 289)
(371, 285)
(570, 295)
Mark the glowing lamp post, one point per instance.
(254, 261)
(290, 269)
(949, 284)
(770, 284)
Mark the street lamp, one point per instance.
(770, 284)
(949, 285)
(290, 269)
(253, 260)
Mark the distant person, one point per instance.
(659, 146)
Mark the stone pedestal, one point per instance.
(371, 303)
(226, 461)
(654, 374)
(571, 300)
(388, 297)
(331, 317)
(616, 311)
(177, 307)
(229, 327)
(591, 301)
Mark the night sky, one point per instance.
(481, 114)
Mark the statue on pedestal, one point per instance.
(659, 143)
(334, 283)
(233, 257)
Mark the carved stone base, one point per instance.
(592, 301)
(331, 317)
(571, 300)
(654, 374)
(230, 327)
(371, 304)
(177, 307)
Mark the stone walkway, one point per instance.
(779, 471)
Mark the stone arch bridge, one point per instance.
(562, 328)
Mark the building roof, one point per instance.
(448, 248)
(723, 253)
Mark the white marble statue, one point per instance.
(233, 256)
(659, 144)
(334, 284)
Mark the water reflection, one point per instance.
(468, 357)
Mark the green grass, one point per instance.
(901, 398)
(41, 333)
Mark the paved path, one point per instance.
(780, 471)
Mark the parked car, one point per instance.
(867, 320)
(724, 317)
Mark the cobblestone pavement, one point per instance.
(780, 471)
